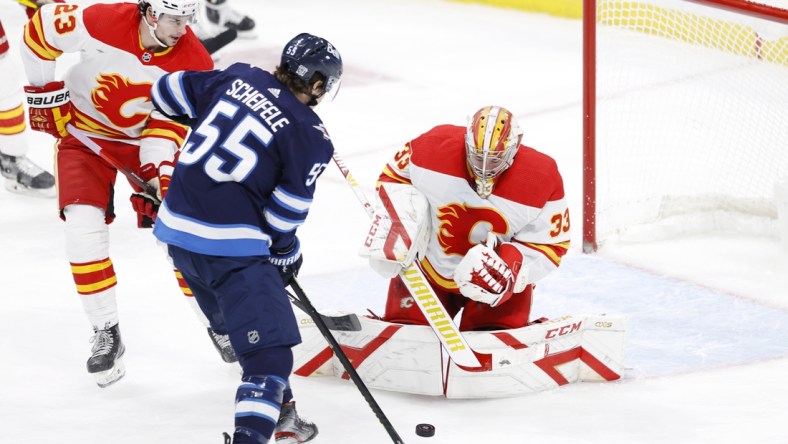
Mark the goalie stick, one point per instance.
(424, 296)
(348, 322)
(340, 354)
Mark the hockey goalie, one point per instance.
(482, 218)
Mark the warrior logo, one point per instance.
(462, 227)
(125, 104)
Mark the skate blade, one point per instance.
(111, 376)
(17, 188)
(290, 438)
(286, 439)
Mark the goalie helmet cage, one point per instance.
(685, 117)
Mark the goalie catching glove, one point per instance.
(491, 277)
(399, 231)
(49, 108)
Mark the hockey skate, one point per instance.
(290, 429)
(221, 16)
(105, 363)
(24, 177)
(223, 346)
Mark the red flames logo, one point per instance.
(114, 93)
(458, 221)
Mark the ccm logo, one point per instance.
(565, 330)
(372, 230)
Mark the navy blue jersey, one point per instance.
(246, 176)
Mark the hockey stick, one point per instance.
(441, 322)
(219, 41)
(348, 322)
(340, 354)
(150, 190)
(28, 3)
(133, 177)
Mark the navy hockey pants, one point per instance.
(241, 296)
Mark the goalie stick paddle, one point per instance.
(340, 354)
(440, 321)
(348, 322)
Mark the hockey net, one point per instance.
(686, 108)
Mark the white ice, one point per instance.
(707, 354)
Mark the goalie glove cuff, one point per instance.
(514, 258)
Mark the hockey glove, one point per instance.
(485, 276)
(288, 261)
(49, 108)
(144, 203)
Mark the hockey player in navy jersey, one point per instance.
(242, 186)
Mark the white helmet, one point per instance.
(177, 8)
(171, 7)
(491, 141)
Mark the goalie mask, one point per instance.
(491, 142)
(306, 54)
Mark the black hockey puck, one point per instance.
(425, 430)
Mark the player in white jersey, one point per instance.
(103, 107)
(486, 218)
(21, 174)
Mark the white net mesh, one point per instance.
(692, 119)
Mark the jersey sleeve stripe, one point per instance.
(158, 100)
(166, 129)
(281, 224)
(176, 89)
(389, 175)
(167, 93)
(35, 40)
(291, 202)
(554, 252)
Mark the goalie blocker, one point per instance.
(409, 359)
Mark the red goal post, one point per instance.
(685, 117)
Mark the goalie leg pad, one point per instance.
(409, 359)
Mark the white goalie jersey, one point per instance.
(527, 206)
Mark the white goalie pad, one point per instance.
(399, 230)
(407, 358)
